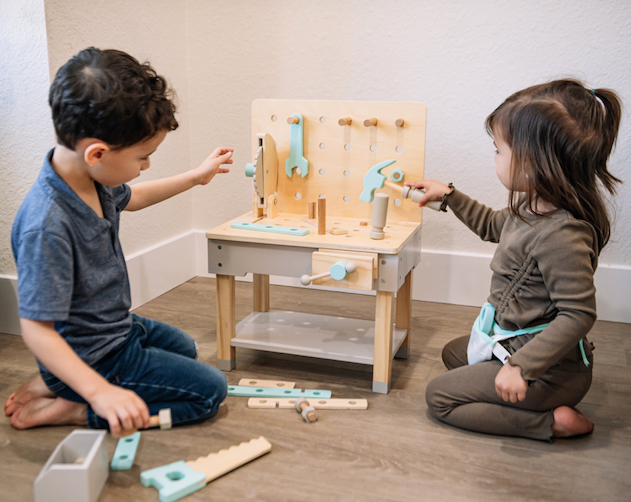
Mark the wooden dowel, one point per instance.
(293, 120)
(345, 121)
(312, 211)
(399, 122)
(321, 216)
(370, 122)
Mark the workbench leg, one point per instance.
(260, 285)
(225, 322)
(404, 315)
(382, 364)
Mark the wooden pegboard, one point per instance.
(340, 156)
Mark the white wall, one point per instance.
(460, 58)
(26, 132)
(150, 31)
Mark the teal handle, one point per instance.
(249, 169)
(338, 270)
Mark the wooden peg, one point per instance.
(293, 120)
(399, 122)
(370, 122)
(272, 206)
(321, 216)
(345, 121)
(312, 210)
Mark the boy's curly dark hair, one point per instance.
(109, 95)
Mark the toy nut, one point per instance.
(308, 414)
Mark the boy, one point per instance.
(99, 364)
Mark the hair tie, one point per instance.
(593, 92)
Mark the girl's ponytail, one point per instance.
(607, 124)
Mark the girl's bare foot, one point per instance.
(34, 389)
(49, 411)
(570, 422)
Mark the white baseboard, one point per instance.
(456, 278)
(160, 268)
(9, 319)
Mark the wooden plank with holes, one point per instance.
(253, 382)
(361, 279)
(340, 156)
(318, 404)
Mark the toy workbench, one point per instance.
(329, 207)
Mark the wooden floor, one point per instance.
(393, 451)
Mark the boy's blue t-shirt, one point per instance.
(70, 265)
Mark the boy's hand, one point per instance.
(509, 384)
(212, 164)
(434, 190)
(125, 411)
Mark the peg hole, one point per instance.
(322, 146)
(298, 196)
(373, 148)
(274, 118)
(347, 147)
(323, 120)
(322, 172)
(347, 198)
(175, 475)
(347, 173)
(298, 170)
(397, 202)
(399, 149)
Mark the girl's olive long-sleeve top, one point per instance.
(543, 272)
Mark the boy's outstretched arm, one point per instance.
(148, 193)
(123, 409)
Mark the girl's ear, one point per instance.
(94, 153)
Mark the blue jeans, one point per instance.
(158, 363)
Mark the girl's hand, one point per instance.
(434, 190)
(212, 164)
(125, 411)
(509, 384)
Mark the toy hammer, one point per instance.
(162, 419)
(373, 180)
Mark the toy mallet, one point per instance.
(308, 412)
(374, 180)
(162, 419)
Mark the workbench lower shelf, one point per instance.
(312, 335)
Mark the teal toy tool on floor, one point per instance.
(125, 453)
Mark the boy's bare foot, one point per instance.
(26, 392)
(570, 422)
(49, 411)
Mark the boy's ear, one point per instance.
(94, 153)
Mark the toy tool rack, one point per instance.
(306, 151)
(340, 155)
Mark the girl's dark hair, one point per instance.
(109, 95)
(561, 135)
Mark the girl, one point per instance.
(553, 141)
